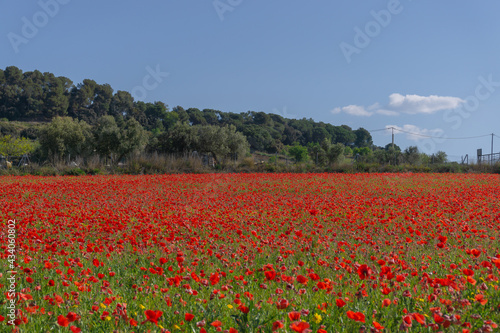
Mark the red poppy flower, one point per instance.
(299, 326)
(282, 304)
(72, 317)
(419, 318)
(302, 279)
(62, 321)
(270, 275)
(277, 325)
(294, 315)
(407, 321)
(480, 298)
(356, 316)
(153, 316)
(364, 272)
(340, 302)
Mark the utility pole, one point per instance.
(392, 137)
(394, 151)
(491, 160)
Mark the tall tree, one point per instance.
(107, 136)
(363, 138)
(66, 137)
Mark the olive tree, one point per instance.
(65, 137)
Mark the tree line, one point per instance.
(43, 97)
(91, 119)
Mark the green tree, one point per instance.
(389, 146)
(348, 151)
(56, 96)
(133, 138)
(333, 153)
(344, 135)
(181, 113)
(363, 138)
(13, 147)
(212, 140)
(89, 101)
(196, 117)
(236, 141)
(122, 105)
(319, 134)
(439, 158)
(316, 153)
(107, 136)
(364, 151)
(298, 152)
(65, 137)
(10, 93)
(181, 138)
(412, 155)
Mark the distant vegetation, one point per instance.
(56, 121)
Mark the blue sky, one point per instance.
(428, 67)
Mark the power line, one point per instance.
(432, 136)
(378, 130)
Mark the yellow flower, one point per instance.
(317, 318)
(176, 327)
(230, 306)
(142, 306)
(103, 306)
(160, 326)
(108, 318)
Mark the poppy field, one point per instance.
(251, 253)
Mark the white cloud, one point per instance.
(407, 104)
(415, 133)
(414, 104)
(353, 110)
